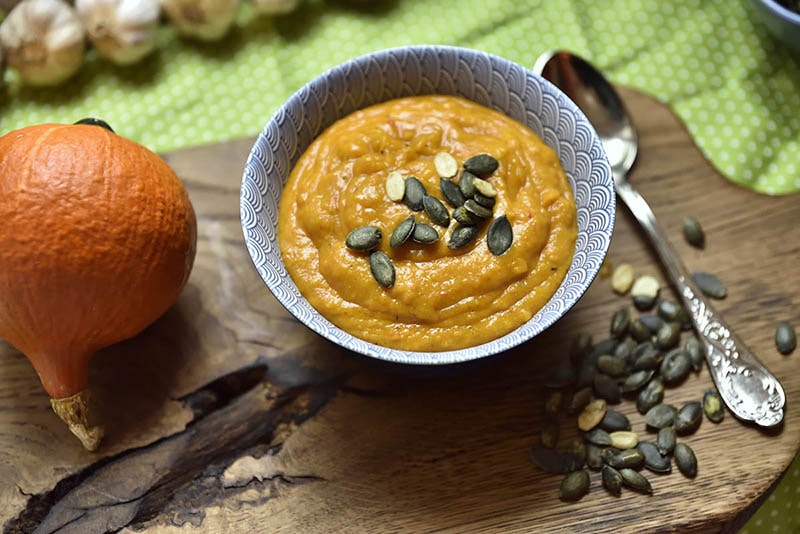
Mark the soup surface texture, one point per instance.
(442, 299)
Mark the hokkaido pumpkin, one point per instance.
(97, 239)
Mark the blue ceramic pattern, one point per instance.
(483, 78)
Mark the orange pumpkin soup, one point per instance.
(442, 298)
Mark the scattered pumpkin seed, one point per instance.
(648, 360)
(643, 302)
(382, 268)
(486, 202)
(653, 459)
(619, 322)
(660, 415)
(650, 395)
(693, 232)
(689, 417)
(414, 193)
(580, 399)
(402, 232)
(461, 236)
(594, 460)
(476, 209)
(611, 365)
(599, 437)
(574, 486)
(639, 331)
(622, 279)
(636, 380)
(485, 188)
(671, 311)
(668, 336)
(607, 388)
(607, 453)
(499, 236)
(631, 458)
(424, 234)
(624, 439)
(635, 480)
(577, 446)
(696, 352)
(785, 338)
(481, 164)
(625, 348)
(710, 285)
(555, 461)
(645, 286)
(612, 480)
(446, 165)
(685, 459)
(652, 322)
(586, 375)
(451, 193)
(436, 210)
(665, 440)
(713, 406)
(675, 367)
(550, 432)
(364, 238)
(462, 216)
(395, 186)
(467, 184)
(553, 404)
(592, 414)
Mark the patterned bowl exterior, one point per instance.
(483, 78)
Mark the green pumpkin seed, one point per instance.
(445, 164)
(710, 285)
(675, 367)
(467, 184)
(649, 396)
(382, 268)
(612, 480)
(476, 209)
(713, 406)
(635, 480)
(451, 193)
(499, 236)
(648, 360)
(607, 388)
(424, 234)
(402, 232)
(580, 399)
(363, 238)
(693, 232)
(577, 446)
(619, 322)
(554, 461)
(94, 121)
(436, 210)
(549, 435)
(553, 404)
(636, 380)
(592, 414)
(668, 336)
(624, 439)
(464, 217)
(639, 331)
(622, 278)
(599, 437)
(486, 202)
(660, 416)
(645, 286)
(671, 311)
(785, 338)
(586, 375)
(625, 348)
(653, 459)
(630, 458)
(462, 236)
(665, 440)
(574, 486)
(685, 459)
(652, 322)
(414, 194)
(611, 365)
(594, 458)
(689, 417)
(644, 302)
(484, 188)
(481, 165)
(696, 353)
(395, 186)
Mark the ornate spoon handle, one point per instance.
(749, 390)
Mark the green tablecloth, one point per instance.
(736, 88)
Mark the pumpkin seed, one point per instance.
(364, 238)
(382, 268)
(476, 209)
(555, 461)
(611, 365)
(651, 359)
(675, 367)
(652, 322)
(424, 234)
(446, 165)
(785, 338)
(712, 406)
(481, 165)
(486, 202)
(485, 188)
(668, 336)
(592, 414)
(639, 331)
(607, 453)
(395, 186)
(665, 440)
(685, 459)
(645, 286)
(689, 417)
(586, 375)
(436, 210)
(673, 312)
(594, 460)
(660, 415)
(414, 194)
(607, 388)
(451, 193)
(622, 278)
(694, 348)
(653, 459)
(710, 285)
(560, 377)
(577, 446)
(581, 346)
(402, 232)
(93, 121)
(612, 480)
(462, 236)
(635, 480)
(598, 437)
(649, 396)
(693, 232)
(467, 184)
(549, 435)
(499, 236)
(606, 346)
(574, 486)
(553, 403)
(580, 399)
(624, 439)
(630, 458)
(619, 322)
(644, 302)
(464, 217)
(637, 380)
(624, 349)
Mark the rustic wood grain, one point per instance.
(229, 416)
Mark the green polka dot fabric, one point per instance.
(735, 87)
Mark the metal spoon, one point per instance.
(750, 391)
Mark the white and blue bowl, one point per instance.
(781, 21)
(416, 70)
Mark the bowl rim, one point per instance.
(782, 11)
(475, 352)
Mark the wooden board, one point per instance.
(227, 415)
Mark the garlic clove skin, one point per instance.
(206, 20)
(122, 31)
(275, 7)
(44, 41)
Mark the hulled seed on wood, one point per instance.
(710, 285)
(685, 459)
(436, 210)
(499, 236)
(624, 439)
(481, 164)
(652, 322)
(712, 406)
(592, 414)
(785, 338)
(414, 194)
(445, 164)
(630, 458)
(364, 238)
(671, 311)
(612, 480)
(451, 193)
(382, 268)
(645, 286)
(693, 232)
(622, 278)
(574, 486)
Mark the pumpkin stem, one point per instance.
(74, 410)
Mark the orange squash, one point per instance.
(97, 239)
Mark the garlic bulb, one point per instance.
(275, 7)
(44, 41)
(207, 20)
(123, 31)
